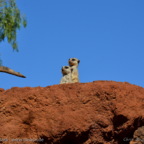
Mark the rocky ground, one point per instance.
(100, 112)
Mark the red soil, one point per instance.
(100, 112)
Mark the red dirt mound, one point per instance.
(100, 112)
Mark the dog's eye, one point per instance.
(73, 59)
(66, 67)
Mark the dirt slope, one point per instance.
(100, 112)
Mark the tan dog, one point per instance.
(73, 63)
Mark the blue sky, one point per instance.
(107, 36)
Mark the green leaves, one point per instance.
(10, 20)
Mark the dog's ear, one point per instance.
(78, 61)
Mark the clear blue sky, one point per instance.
(106, 35)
